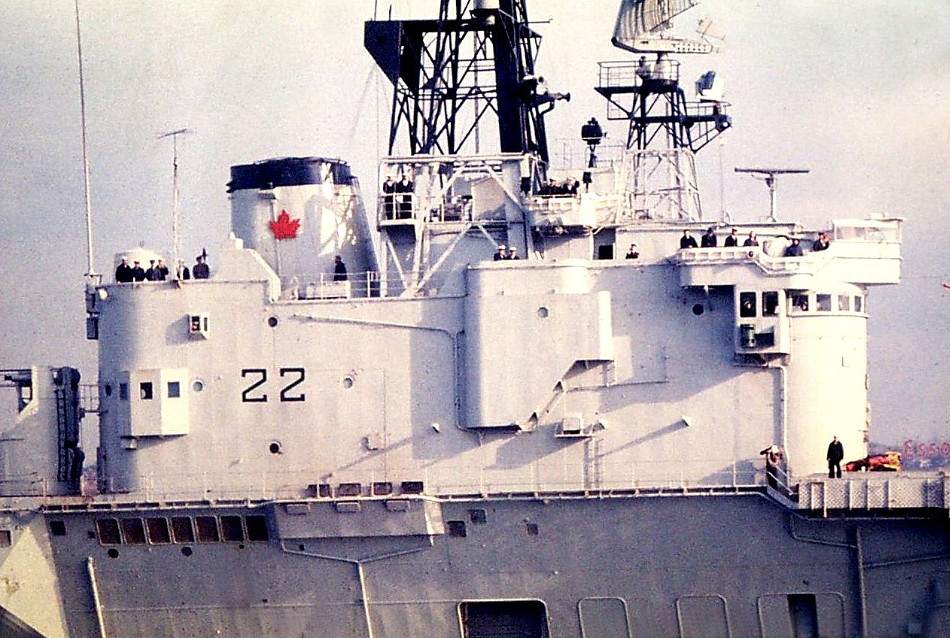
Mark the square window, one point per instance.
(124, 391)
(6, 539)
(256, 528)
(457, 529)
(158, 530)
(746, 304)
(232, 528)
(174, 389)
(182, 531)
(770, 303)
(800, 302)
(108, 529)
(57, 528)
(133, 531)
(145, 390)
(478, 516)
(207, 529)
(823, 302)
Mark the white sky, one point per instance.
(855, 91)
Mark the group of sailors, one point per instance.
(505, 253)
(397, 197)
(158, 270)
(709, 240)
(552, 188)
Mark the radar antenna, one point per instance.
(768, 175)
(666, 128)
(643, 27)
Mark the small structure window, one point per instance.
(858, 303)
(158, 530)
(823, 302)
(57, 528)
(746, 304)
(844, 303)
(770, 303)
(232, 529)
(207, 529)
(800, 301)
(174, 389)
(6, 538)
(256, 528)
(145, 390)
(108, 529)
(133, 531)
(182, 530)
(124, 391)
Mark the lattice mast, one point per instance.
(665, 128)
(458, 79)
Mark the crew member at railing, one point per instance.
(138, 273)
(822, 243)
(794, 249)
(339, 269)
(633, 253)
(200, 270)
(687, 240)
(404, 189)
(123, 272)
(752, 240)
(501, 253)
(709, 239)
(733, 239)
(389, 198)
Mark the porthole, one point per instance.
(113, 553)
(698, 309)
(348, 382)
(543, 312)
(198, 385)
(186, 551)
(272, 322)
(274, 447)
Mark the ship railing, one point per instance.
(360, 285)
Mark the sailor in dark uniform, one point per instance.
(138, 273)
(835, 456)
(339, 269)
(733, 239)
(123, 273)
(687, 240)
(709, 239)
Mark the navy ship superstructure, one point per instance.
(364, 424)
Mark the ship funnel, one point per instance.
(300, 213)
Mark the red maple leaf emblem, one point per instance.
(284, 227)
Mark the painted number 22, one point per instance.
(255, 392)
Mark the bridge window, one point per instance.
(746, 304)
(158, 530)
(800, 302)
(823, 302)
(182, 530)
(844, 303)
(133, 532)
(174, 389)
(145, 390)
(858, 303)
(207, 529)
(770, 303)
(108, 529)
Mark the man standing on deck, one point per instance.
(835, 455)
(200, 270)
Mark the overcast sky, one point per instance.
(855, 91)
